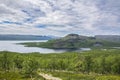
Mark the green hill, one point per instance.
(75, 41)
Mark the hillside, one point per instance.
(75, 41)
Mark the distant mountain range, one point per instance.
(74, 41)
(113, 38)
(25, 37)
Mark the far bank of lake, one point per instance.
(14, 47)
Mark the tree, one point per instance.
(5, 62)
(52, 64)
(5, 65)
(18, 61)
(87, 64)
(62, 64)
(30, 67)
(102, 66)
(116, 66)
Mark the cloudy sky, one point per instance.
(60, 17)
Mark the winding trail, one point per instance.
(49, 77)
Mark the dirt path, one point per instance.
(49, 77)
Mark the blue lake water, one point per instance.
(13, 47)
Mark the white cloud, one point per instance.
(59, 17)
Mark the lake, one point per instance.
(13, 47)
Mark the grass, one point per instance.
(80, 76)
(17, 76)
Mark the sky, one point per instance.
(60, 17)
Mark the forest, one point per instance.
(87, 65)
